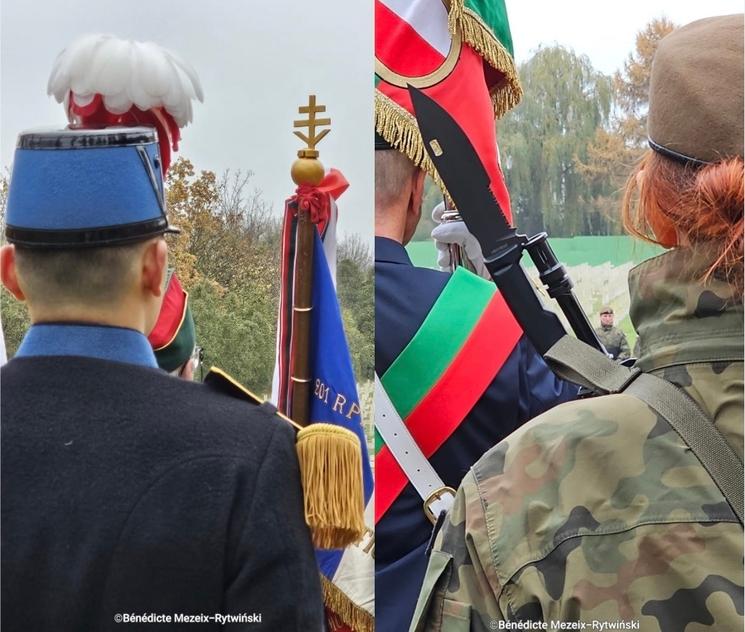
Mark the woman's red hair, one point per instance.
(676, 204)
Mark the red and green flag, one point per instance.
(459, 56)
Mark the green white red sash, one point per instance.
(437, 379)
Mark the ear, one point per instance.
(417, 189)
(8, 273)
(154, 266)
(416, 194)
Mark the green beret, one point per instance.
(179, 350)
(696, 91)
(173, 337)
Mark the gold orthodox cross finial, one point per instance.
(307, 169)
(312, 138)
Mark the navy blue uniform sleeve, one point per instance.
(274, 566)
(540, 388)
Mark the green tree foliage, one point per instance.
(13, 315)
(355, 280)
(605, 168)
(566, 100)
(569, 146)
(613, 152)
(632, 82)
(227, 258)
(15, 322)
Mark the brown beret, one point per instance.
(696, 91)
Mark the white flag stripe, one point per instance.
(355, 575)
(329, 240)
(429, 18)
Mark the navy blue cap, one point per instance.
(74, 188)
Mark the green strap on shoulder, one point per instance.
(578, 362)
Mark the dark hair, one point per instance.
(393, 170)
(94, 276)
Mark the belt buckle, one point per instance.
(436, 495)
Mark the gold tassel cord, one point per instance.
(331, 471)
(345, 610)
(480, 37)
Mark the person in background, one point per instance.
(613, 339)
(598, 510)
(174, 336)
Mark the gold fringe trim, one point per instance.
(343, 611)
(331, 473)
(480, 37)
(400, 129)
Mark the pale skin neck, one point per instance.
(128, 314)
(136, 307)
(391, 224)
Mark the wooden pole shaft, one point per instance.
(301, 315)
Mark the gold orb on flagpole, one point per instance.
(307, 170)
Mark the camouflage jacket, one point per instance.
(614, 341)
(596, 511)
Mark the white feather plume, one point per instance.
(125, 73)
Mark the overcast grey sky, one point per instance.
(604, 31)
(259, 60)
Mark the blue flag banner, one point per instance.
(347, 574)
(334, 394)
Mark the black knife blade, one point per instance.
(468, 183)
(462, 171)
(464, 176)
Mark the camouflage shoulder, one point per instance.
(587, 468)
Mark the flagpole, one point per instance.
(307, 171)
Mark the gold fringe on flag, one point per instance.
(331, 471)
(479, 36)
(399, 128)
(343, 612)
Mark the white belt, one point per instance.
(436, 495)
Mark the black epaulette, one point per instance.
(220, 381)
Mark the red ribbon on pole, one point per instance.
(315, 200)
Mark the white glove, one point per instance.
(455, 232)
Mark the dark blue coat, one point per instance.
(129, 491)
(524, 388)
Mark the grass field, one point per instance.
(598, 266)
(571, 251)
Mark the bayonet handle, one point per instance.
(542, 327)
(559, 287)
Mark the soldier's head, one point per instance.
(606, 316)
(399, 190)
(85, 220)
(687, 190)
(174, 336)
